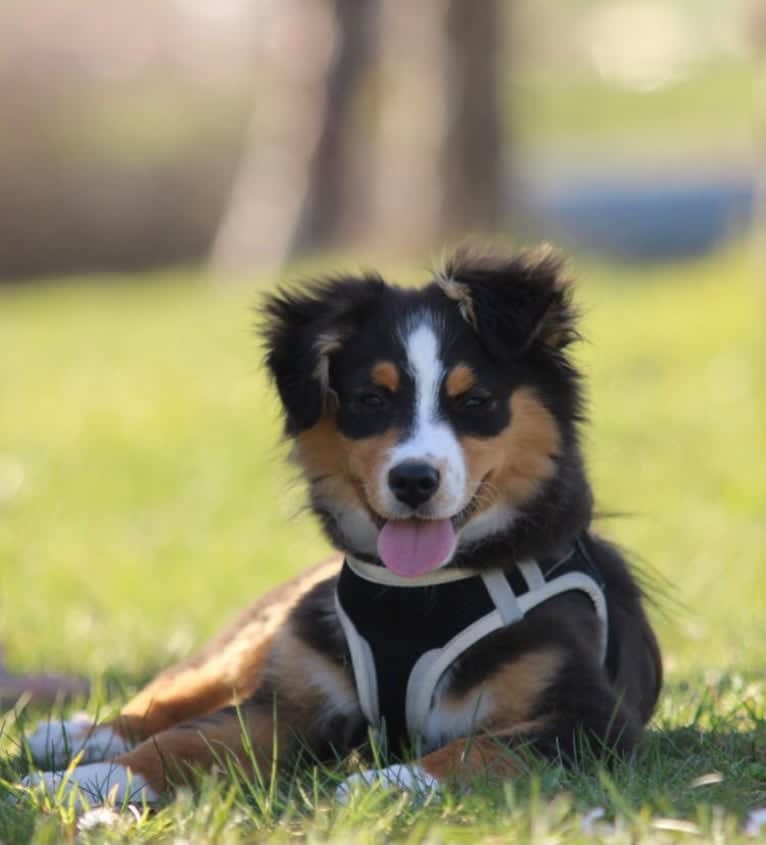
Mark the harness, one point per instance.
(403, 634)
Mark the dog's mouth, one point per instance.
(416, 545)
(412, 547)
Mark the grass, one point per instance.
(143, 499)
(707, 113)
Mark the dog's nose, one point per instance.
(413, 483)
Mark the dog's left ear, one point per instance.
(302, 329)
(513, 303)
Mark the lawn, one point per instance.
(143, 500)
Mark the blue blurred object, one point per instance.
(646, 218)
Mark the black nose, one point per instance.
(413, 483)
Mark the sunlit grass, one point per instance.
(143, 500)
(708, 113)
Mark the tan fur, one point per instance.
(386, 374)
(516, 462)
(349, 468)
(172, 756)
(461, 294)
(365, 458)
(325, 345)
(226, 672)
(319, 453)
(460, 379)
(309, 690)
(462, 762)
(514, 689)
(314, 685)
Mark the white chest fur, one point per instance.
(451, 717)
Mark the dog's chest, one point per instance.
(406, 642)
(397, 639)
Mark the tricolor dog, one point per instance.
(471, 610)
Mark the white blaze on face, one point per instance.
(431, 440)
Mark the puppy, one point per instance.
(470, 611)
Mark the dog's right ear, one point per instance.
(302, 329)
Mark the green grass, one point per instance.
(709, 113)
(143, 500)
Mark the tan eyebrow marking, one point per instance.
(460, 379)
(386, 374)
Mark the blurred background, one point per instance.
(169, 159)
(244, 133)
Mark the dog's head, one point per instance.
(427, 421)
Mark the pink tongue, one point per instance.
(412, 547)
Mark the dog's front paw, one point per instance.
(411, 778)
(94, 785)
(53, 744)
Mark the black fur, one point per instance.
(295, 322)
(517, 302)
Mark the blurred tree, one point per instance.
(426, 161)
(272, 185)
(474, 161)
(326, 216)
(410, 123)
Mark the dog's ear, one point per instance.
(513, 302)
(302, 329)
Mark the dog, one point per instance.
(471, 610)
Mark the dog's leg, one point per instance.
(485, 757)
(458, 763)
(245, 737)
(225, 672)
(547, 701)
(304, 694)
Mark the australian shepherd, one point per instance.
(470, 609)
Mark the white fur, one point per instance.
(356, 527)
(95, 784)
(445, 724)
(432, 440)
(54, 744)
(411, 778)
(495, 519)
(339, 698)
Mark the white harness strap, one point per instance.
(431, 665)
(503, 597)
(380, 575)
(363, 665)
(532, 574)
(573, 581)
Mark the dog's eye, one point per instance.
(369, 400)
(474, 399)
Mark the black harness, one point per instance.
(403, 634)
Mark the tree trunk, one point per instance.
(270, 189)
(473, 171)
(434, 154)
(405, 183)
(332, 200)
